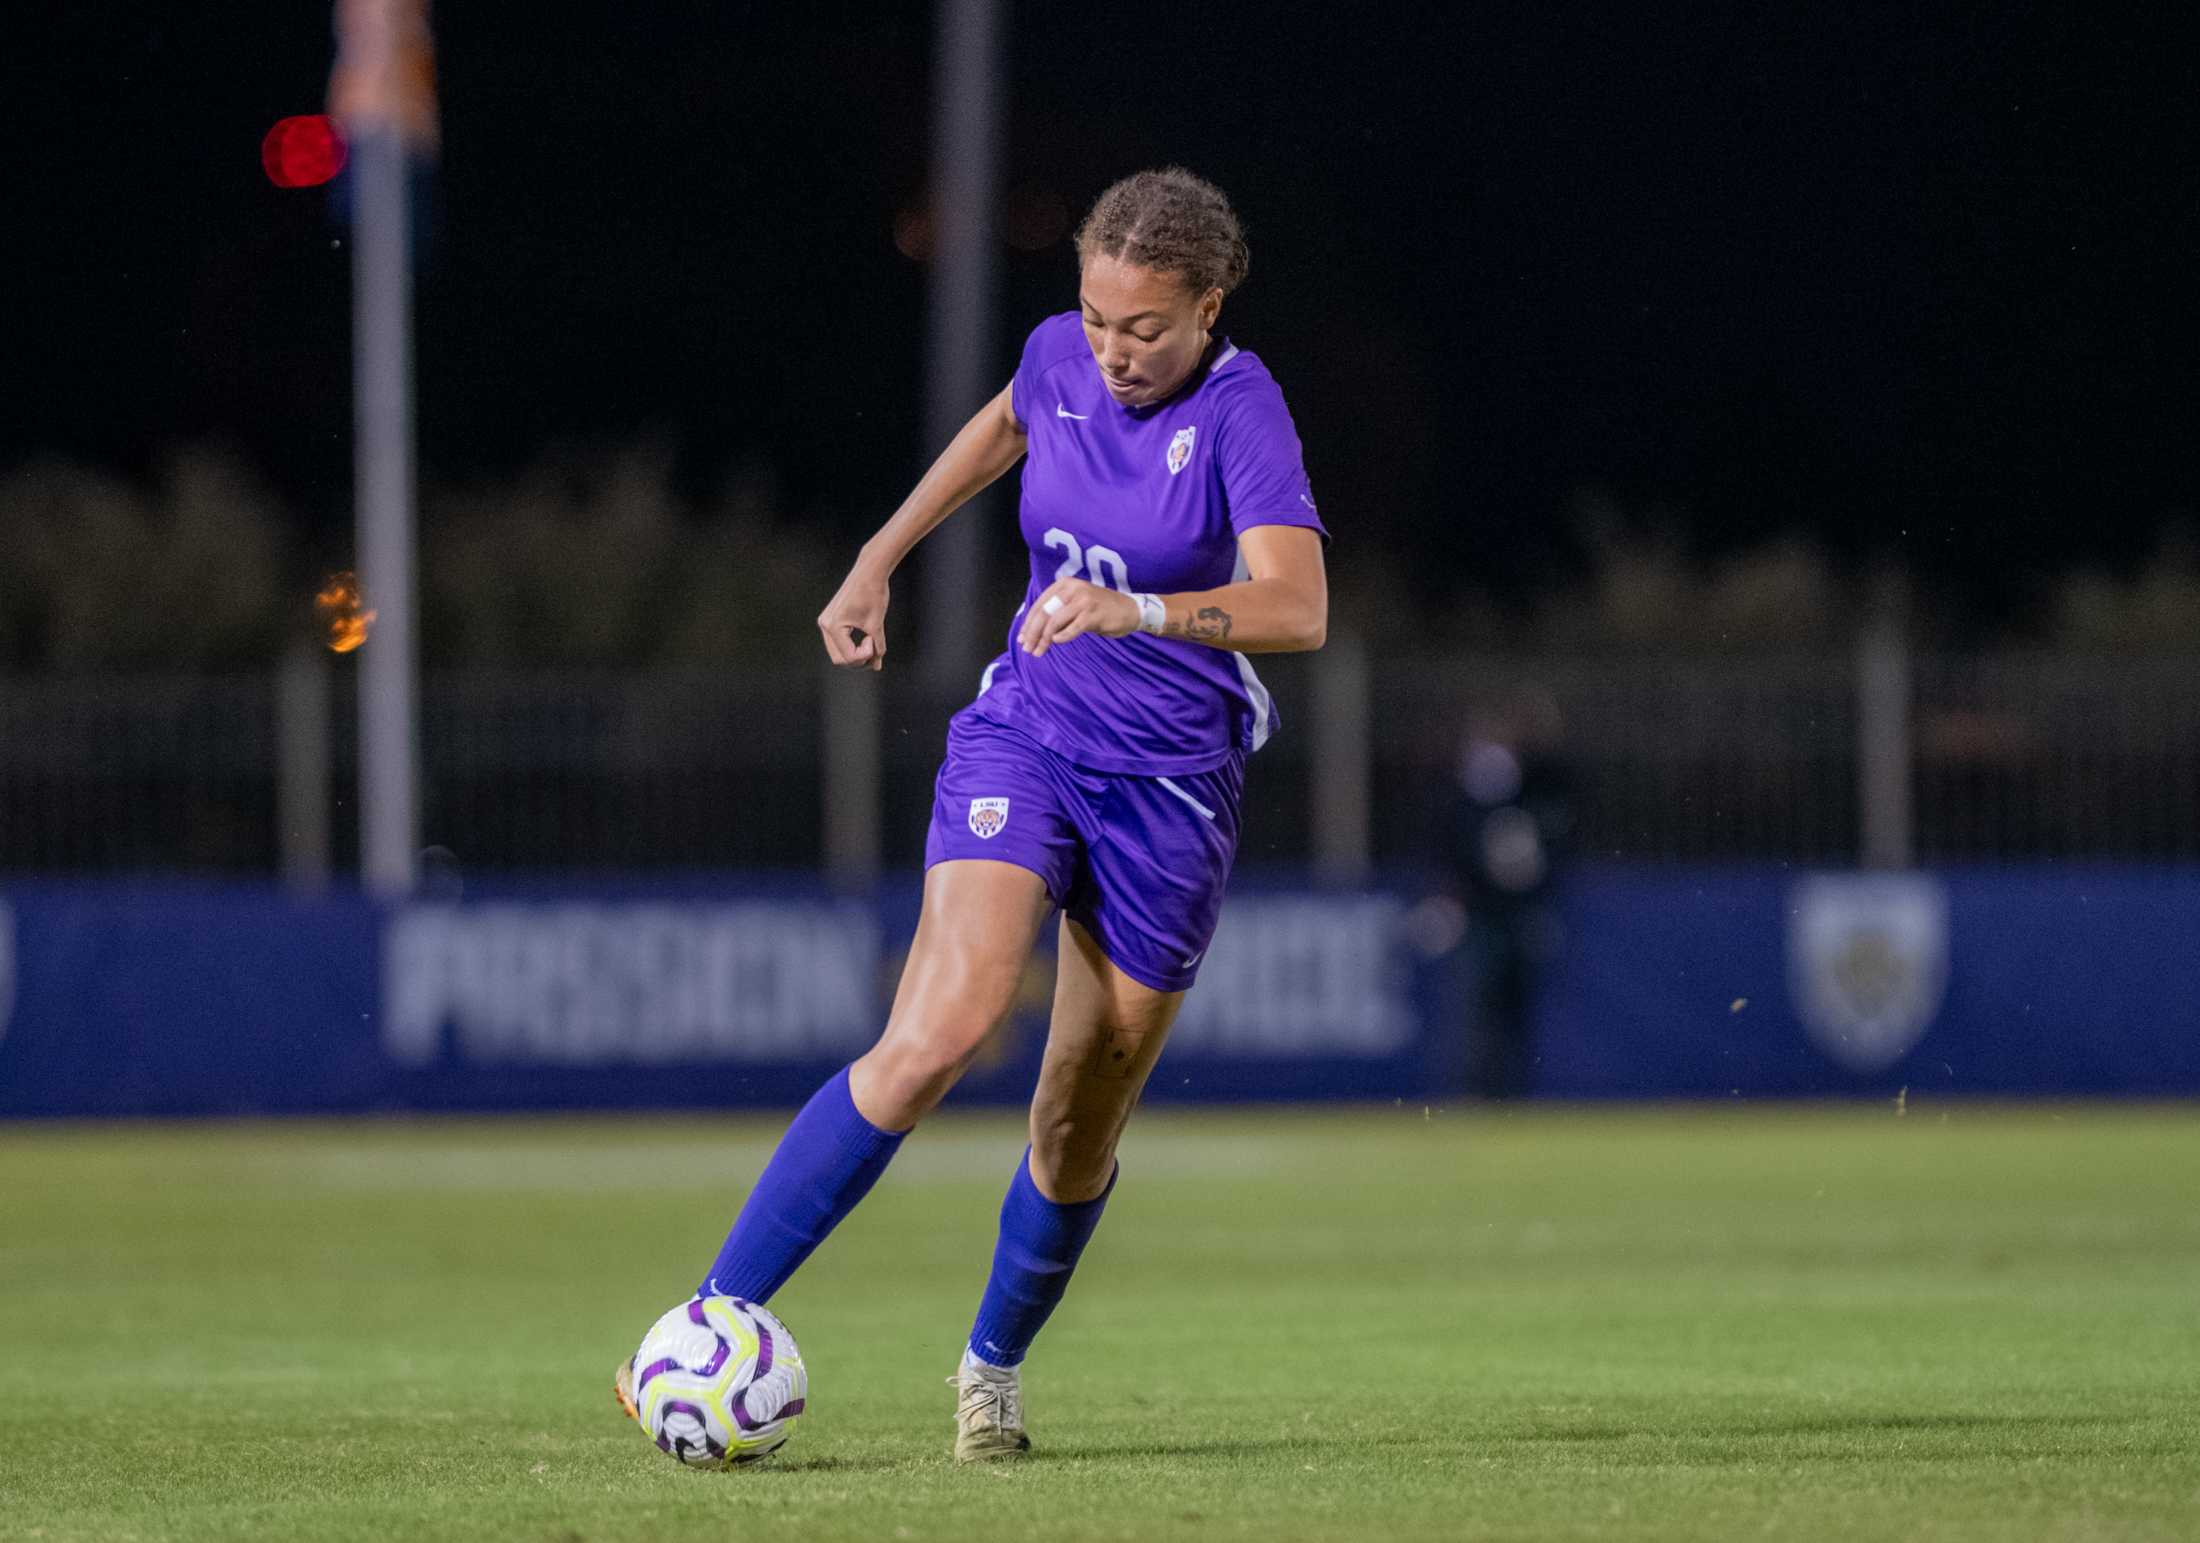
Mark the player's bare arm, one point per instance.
(1281, 608)
(854, 621)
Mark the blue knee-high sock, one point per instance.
(827, 1161)
(1039, 1245)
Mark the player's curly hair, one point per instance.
(1171, 221)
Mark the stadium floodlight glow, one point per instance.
(343, 612)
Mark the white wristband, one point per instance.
(1152, 614)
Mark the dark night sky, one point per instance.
(1915, 279)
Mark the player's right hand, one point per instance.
(854, 622)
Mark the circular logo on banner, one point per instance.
(1868, 963)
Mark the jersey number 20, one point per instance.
(1102, 565)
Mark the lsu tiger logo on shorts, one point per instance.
(1180, 448)
(987, 817)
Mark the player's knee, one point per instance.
(1071, 1159)
(912, 1072)
(916, 1063)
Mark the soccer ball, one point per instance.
(719, 1382)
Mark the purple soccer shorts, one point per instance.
(1138, 862)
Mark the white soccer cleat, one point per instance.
(989, 1411)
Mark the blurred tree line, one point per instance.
(584, 560)
(595, 560)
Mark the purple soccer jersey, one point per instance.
(1143, 499)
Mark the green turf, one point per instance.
(1788, 1322)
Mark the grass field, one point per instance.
(1788, 1322)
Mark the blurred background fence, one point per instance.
(1808, 758)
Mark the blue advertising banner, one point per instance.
(178, 998)
(173, 999)
(2048, 980)
(185, 999)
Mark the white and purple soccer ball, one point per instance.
(719, 1382)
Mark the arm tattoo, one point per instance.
(1208, 624)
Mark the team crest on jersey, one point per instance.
(1180, 448)
(987, 817)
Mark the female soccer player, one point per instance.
(1172, 532)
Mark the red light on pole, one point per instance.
(302, 152)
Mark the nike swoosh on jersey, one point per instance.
(1061, 411)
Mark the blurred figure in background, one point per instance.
(1506, 833)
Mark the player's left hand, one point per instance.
(1068, 608)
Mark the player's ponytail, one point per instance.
(1171, 221)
